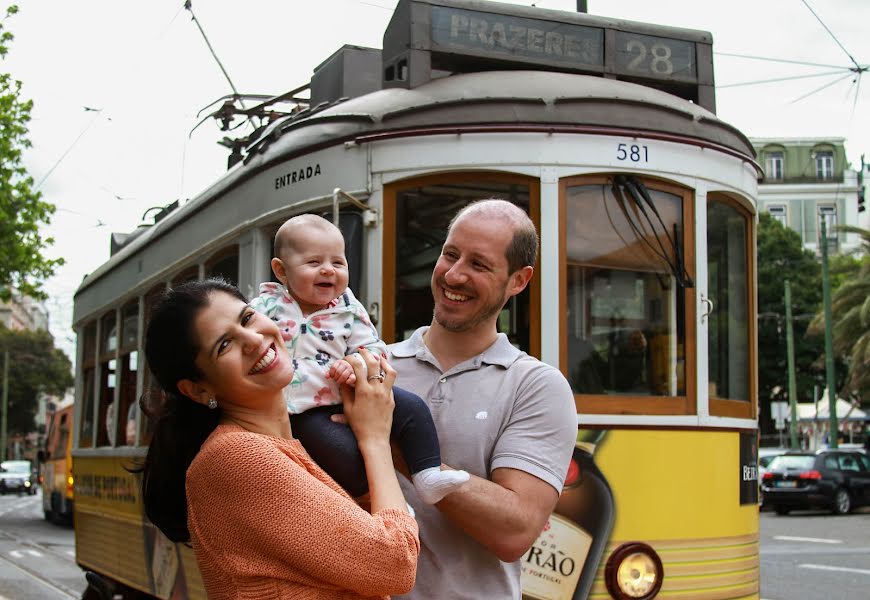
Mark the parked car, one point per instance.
(832, 479)
(17, 476)
(765, 455)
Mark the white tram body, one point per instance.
(463, 136)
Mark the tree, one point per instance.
(850, 307)
(22, 211)
(781, 256)
(35, 367)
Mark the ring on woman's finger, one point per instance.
(380, 377)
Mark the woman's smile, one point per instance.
(268, 360)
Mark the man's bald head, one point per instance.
(522, 251)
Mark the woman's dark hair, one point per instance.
(182, 425)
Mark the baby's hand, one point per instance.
(342, 372)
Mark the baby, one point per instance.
(321, 322)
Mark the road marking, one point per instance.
(790, 538)
(70, 553)
(843, 569)
(16, 554)
(34, 553)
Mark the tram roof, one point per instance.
(500, 97)
(494, 101)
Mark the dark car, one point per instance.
(831, 479)
(17, 476)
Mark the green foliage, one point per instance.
(22, 211)
(850, 308)
(781, 256)
(35, 367)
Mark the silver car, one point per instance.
(17, 476)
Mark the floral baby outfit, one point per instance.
(316, 341)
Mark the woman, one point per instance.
(224, 471)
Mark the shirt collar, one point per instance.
(501, 352)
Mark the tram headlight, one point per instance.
(634, 571)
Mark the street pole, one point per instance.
(833, 429)
(5, 404)
(792, 381)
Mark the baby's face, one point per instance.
(316, 268)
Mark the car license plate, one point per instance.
(786, 484)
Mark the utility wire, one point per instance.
(779, 60)
(854, 62)
(67, 151)
(824, 87)
(188, 5)
(778, 79)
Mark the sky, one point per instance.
(117, 87)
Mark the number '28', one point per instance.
(632, 152)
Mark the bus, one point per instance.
(605, 132)
(56, 465)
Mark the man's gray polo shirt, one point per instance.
(501, 408)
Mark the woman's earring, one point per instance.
(212, 403)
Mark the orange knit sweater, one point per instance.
(267, 523)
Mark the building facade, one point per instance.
(23, 312)
(808, 181)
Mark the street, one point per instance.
(37, 558)
(813, 555)
(807, 555)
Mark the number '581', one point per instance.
(632, 152)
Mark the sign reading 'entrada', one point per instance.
(297, 175)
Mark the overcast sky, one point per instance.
(146, 69)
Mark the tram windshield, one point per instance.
(422, 216)
(625, 291)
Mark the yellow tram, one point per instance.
(644, 296)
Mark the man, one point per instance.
(501, 415)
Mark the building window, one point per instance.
(828, 216)
(825, 165)
(778, 212)
(773, 165)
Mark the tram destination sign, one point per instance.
(508, 36)
(426, 37)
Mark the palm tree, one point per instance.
(851, 314)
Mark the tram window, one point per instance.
(151, 396)
(422, 214)
(89, 361)
(189, 274)
(626, 290)
(107, 409)
(86, 435)
(728, 289)
(126, 434)
(225, 264)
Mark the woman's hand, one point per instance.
(369, 406)
(369, 410)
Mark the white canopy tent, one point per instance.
(846, 411)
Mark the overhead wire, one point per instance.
(778, 79)
(779, 60)
(824, 87)
(843, 48)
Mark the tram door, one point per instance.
(417, 214)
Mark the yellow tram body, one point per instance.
(707, 541)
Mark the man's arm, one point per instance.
(506, 515)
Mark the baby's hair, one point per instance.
(284, 235)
